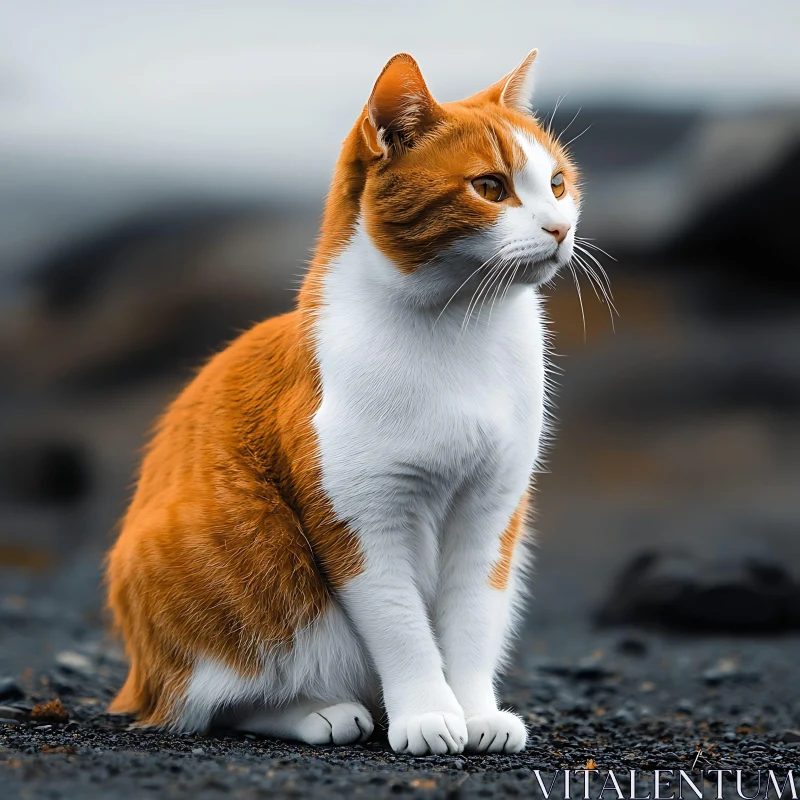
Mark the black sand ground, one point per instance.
(622, 700)
(666, 441)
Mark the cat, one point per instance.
(329, 521)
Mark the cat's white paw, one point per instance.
(496, 732)
(434, 732)
(343, 723)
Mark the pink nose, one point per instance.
(559, 230)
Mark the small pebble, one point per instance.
(198, 751)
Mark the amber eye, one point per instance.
(490, 188)
(558, 185)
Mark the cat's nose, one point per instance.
(559, 230)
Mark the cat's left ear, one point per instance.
(515, 90)
(400, 108)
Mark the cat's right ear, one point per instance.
(400, 108)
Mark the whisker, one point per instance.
(582, 264)
(513, 275)
(590, 243)
(570, 123)
(484, 285)
(580, 297)
(594, 279)
(575, 138)
(492, 286)
(599, 266)
(494, 255)
(553, 115)
(594, 283)
(508, 271)
(485, 281)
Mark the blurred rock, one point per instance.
(726, 670)
(722, 237)
(10, 690)
(632, 646)
(689, 179)
(9, 712)
(686, 592)
(155, 291)
(78, 663)
(52, 471)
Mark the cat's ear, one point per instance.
(515, 90)
(400, 108)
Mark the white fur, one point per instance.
(326, 661)
(428, 432)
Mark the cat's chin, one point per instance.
(537, 273)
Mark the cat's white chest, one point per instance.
(413, 413)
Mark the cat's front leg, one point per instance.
(388, 612)
(474, 613)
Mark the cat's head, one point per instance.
(448, 187)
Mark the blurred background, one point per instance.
(162, 172)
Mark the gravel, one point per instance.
(646, 711)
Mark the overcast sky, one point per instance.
(250, 89)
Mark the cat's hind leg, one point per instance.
(312, 721)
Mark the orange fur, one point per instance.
(229, 543)
(515, 531)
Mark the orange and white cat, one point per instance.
(329, 518)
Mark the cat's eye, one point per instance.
(557, 184)
(490, 188)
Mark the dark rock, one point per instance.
(9, 712)
(10, 690)
(591, 669)
(721, 236)
(632, 646)
(790, 735)
(106, 279)
(681, 591)
(56, 472)
(62, 683)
